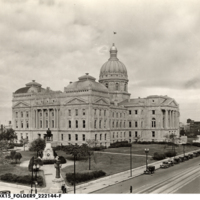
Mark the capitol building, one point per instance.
(86, 109)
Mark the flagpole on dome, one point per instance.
(114, 33)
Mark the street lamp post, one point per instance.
(35, 168)
(146, 151)
(131, 160)
(183, 149)
(58, 165)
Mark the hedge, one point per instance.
(159, 156)
(98, 148)
(82, 177)
(170, 154)
(48, 162)
(18, 144)
(62, 159)
(120, 144)
(13, 178)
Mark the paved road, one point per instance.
(171, 180)
(126, 154)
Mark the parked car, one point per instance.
(181, 159)
(186, 157)
(176, 160)
(165, 164)
(195, 154)
(150, 169)
(171, 163)
(190, 156)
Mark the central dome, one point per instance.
(113, 67)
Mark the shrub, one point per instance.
(8, 157)
(82, 177)
(120, 144)
(48, 162)
(12, 154)
(98, 148)
(13, 178)
(62, 159)
(158, 156)
(170, 154)
(196, 144)
(10, 146)
(18, 144)
(17, 156)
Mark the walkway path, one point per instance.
(126, 154)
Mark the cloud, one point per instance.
(56, 41)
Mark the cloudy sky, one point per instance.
(57, 41)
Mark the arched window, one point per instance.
(153, 122)
(107, 85)
(76, 123)
(117, 124)
(120, 125)
(113, 135)
(113, 124)
(117, 86)
(105, 136)
(100, 136)
(95, 137)
(70, 124)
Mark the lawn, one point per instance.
(139, 149)
(115, 163)
(17, 169)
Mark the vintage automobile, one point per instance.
(186, 157)
(171, 163)
(190, 156)
(181, 158)
(5, 192)
(150, 169)
(176, 160)
(165, 164)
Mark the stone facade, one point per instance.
(87, 109)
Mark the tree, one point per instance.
(88, 149)
(24, 141)
(12, 154)
(3, 148)
(9, 135)
(17, 156)
(37, 145)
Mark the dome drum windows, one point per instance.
(153, 122)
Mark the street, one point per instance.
(171, 180)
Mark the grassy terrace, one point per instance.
(115, 163)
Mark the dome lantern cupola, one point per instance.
(113, 53)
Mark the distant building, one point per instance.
(87, 109)
(193, 127)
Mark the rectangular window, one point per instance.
(52, 123)
(104, 123)
(21, 135)
(27, 136)
(105, 136)
(69, 137)
(76, 112)
(95, 137)
(100, 136)
(136, 134)
(69, 112)
(83, 123)
(104, 112)
(95, 123)
(83, 137)
(130, 124)
(16, 124)
(76, 123)
(153, 133)
(83, 111)
(22, 124)
(27, 124)
(16, 114)
(46, 123)
(120, 115)
(40, 123)
(116, 114)
(61, 136)
(136, 124)
(136, 112)
(113, 114)
(21, 114)
(27, 114)
(129, 112)
(129, 133)
(153, 112)
(70, 125)
(99, 112)
(95, 111)
(76, 137)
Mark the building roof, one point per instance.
(113, 65)
(33, 83)
(86, 82)
(22, 90)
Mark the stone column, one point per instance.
(54, 117)
(48, 119)
(166, 118)
(58, 118)
(36, 118)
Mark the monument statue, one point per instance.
(49, 135)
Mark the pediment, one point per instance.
(21, 105)
(101, 101)
(76, 101)
(173, 103)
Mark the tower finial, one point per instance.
(113, 52)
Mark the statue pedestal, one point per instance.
(48, 152)
(57, 184)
